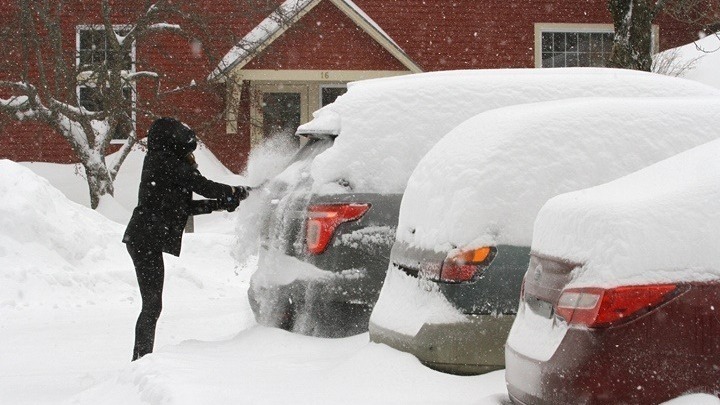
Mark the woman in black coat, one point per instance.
(169, 178)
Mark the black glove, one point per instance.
(241, 192)
(229, 203)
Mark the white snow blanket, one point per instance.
(387, 125)
(69, 301)
(660, 224)
(68, 313)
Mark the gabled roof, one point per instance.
(288, 14)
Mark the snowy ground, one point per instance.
(69, 300)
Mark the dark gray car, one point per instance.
(330, 252)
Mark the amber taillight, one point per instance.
(466, 265)
(323, 219)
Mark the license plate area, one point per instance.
(540, 307)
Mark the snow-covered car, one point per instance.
(466, 220)
(327, 239)
(620, 300)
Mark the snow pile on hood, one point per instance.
(484, 183)
(699, 60)
(39, 230)
(660, 224)
(387, 125)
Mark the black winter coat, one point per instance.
(167, 182)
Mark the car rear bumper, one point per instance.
(583, 370)
(291, 294)
(654, 358)
(472, 347)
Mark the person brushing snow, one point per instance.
(169, 178)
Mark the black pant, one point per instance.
(150, 272)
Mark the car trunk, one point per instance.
(544, 281)
(288, 195)
(360, 244)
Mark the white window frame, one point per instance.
(541, 28)
(100, 27)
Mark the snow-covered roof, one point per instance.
(387, 125)
(660, 224)
(484, 183)
(287, 14)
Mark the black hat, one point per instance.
(171, 135)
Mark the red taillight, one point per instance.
(466, 265)
(598, 307)
(323, 219)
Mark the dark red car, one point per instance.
(631, 313)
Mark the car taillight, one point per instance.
(323, 219)
(599, 307)
(466, 265)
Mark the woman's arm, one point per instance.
(197, 183)
(199, 207)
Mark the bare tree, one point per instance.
(701, 14)
(632, 20)
(47, 87)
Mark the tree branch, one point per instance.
(76, 113)
(659, 6)
(164, 27)
(122, 154)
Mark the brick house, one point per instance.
(274, 75)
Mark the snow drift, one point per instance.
(46, 240)
(699, 60)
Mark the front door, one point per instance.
(278, 111)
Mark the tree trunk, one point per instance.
(632, 47)
(99, 182)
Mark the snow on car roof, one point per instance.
(660, 224)
(386, 125)
(484, 183)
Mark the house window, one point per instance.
(93, 48)
(93, 52)
(328, 93)
(92, 100)
(571, 45)
(572, 49)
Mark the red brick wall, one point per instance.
(325, 39)
(462, 34)
(170, 55)
(437, 34)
